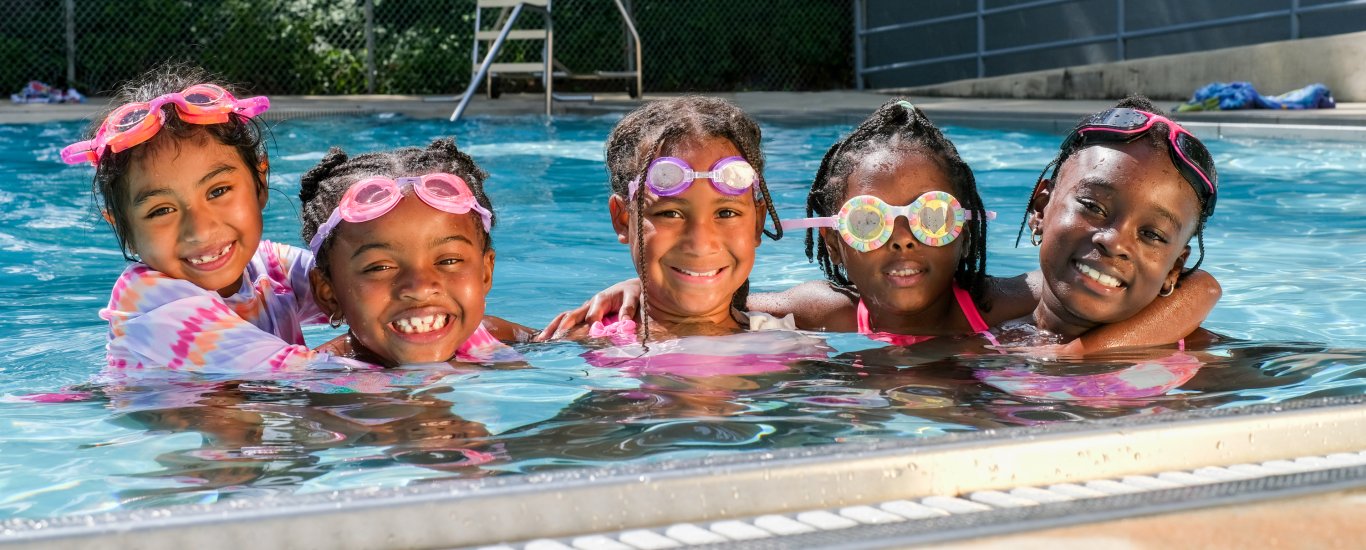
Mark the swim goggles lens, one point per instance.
(735, 174)
(131, 118)
(865, 222)
(667, 176)
(443, 188)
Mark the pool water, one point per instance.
(1287, 243)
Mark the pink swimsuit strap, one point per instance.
(965, 304)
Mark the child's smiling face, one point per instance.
(194, 211)
(903, 276)
(1115, 228)
(698, 245)
(411, 283)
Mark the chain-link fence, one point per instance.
(422, 46)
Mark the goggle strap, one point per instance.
(810, 223)
(324, 230)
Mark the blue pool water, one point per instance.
(1287, 243)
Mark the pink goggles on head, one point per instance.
(135, 123)
(375, 196)
(669, 176)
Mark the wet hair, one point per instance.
(899, 127)
(1155, 137)
(643, 134)
(322, 187)
(110, 185)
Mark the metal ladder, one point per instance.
(510, 10)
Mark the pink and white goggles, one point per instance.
(669, 176)
(375, 196)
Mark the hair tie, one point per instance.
(906, 104)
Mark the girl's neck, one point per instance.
(724, 321)
(939, 318)
(1057, 320)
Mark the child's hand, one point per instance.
(339, 346)
(621, 298)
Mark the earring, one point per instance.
(1036, 238)
(1167, 290)
(335, 320)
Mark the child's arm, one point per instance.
(1164, 321)
(159, 322)
(507, 331)
(815, 305)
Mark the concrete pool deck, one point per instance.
(1346, 122)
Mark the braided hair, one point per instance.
(111, 173)
(898, 126)
(642, 135)
(1155, 137)
(324, 185)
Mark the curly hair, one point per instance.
(901, 127)
(644, 133)
(111, 173)
(322, 187)
(1156, 138)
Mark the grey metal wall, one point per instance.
(904, 42)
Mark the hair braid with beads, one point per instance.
(898, 126)
(644, 133)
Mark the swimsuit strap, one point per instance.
(481, 338)
(864, 325)
(969, 308)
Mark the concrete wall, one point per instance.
(1337, 61)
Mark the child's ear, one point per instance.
(489, 257)
(109, 219)
(263, 194)
(1037, 202)
(323, 293)
(621, 218)
(1175, 273)
(832, 239)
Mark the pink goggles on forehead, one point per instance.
(375, 196)
(135, 123)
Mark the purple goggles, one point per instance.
(669, 176)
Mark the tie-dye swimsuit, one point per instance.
(156, 321)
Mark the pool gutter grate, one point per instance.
(981, 513)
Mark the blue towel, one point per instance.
(1224, 96)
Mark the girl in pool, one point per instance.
(404, 255)
(181, 173)
(689, 199)
(1113, 222)
(901, 281)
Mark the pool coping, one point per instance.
(565, 503)
(1346, 123)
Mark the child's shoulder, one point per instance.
(283, 255)
(1012, 297)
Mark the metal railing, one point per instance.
(1120, 34)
